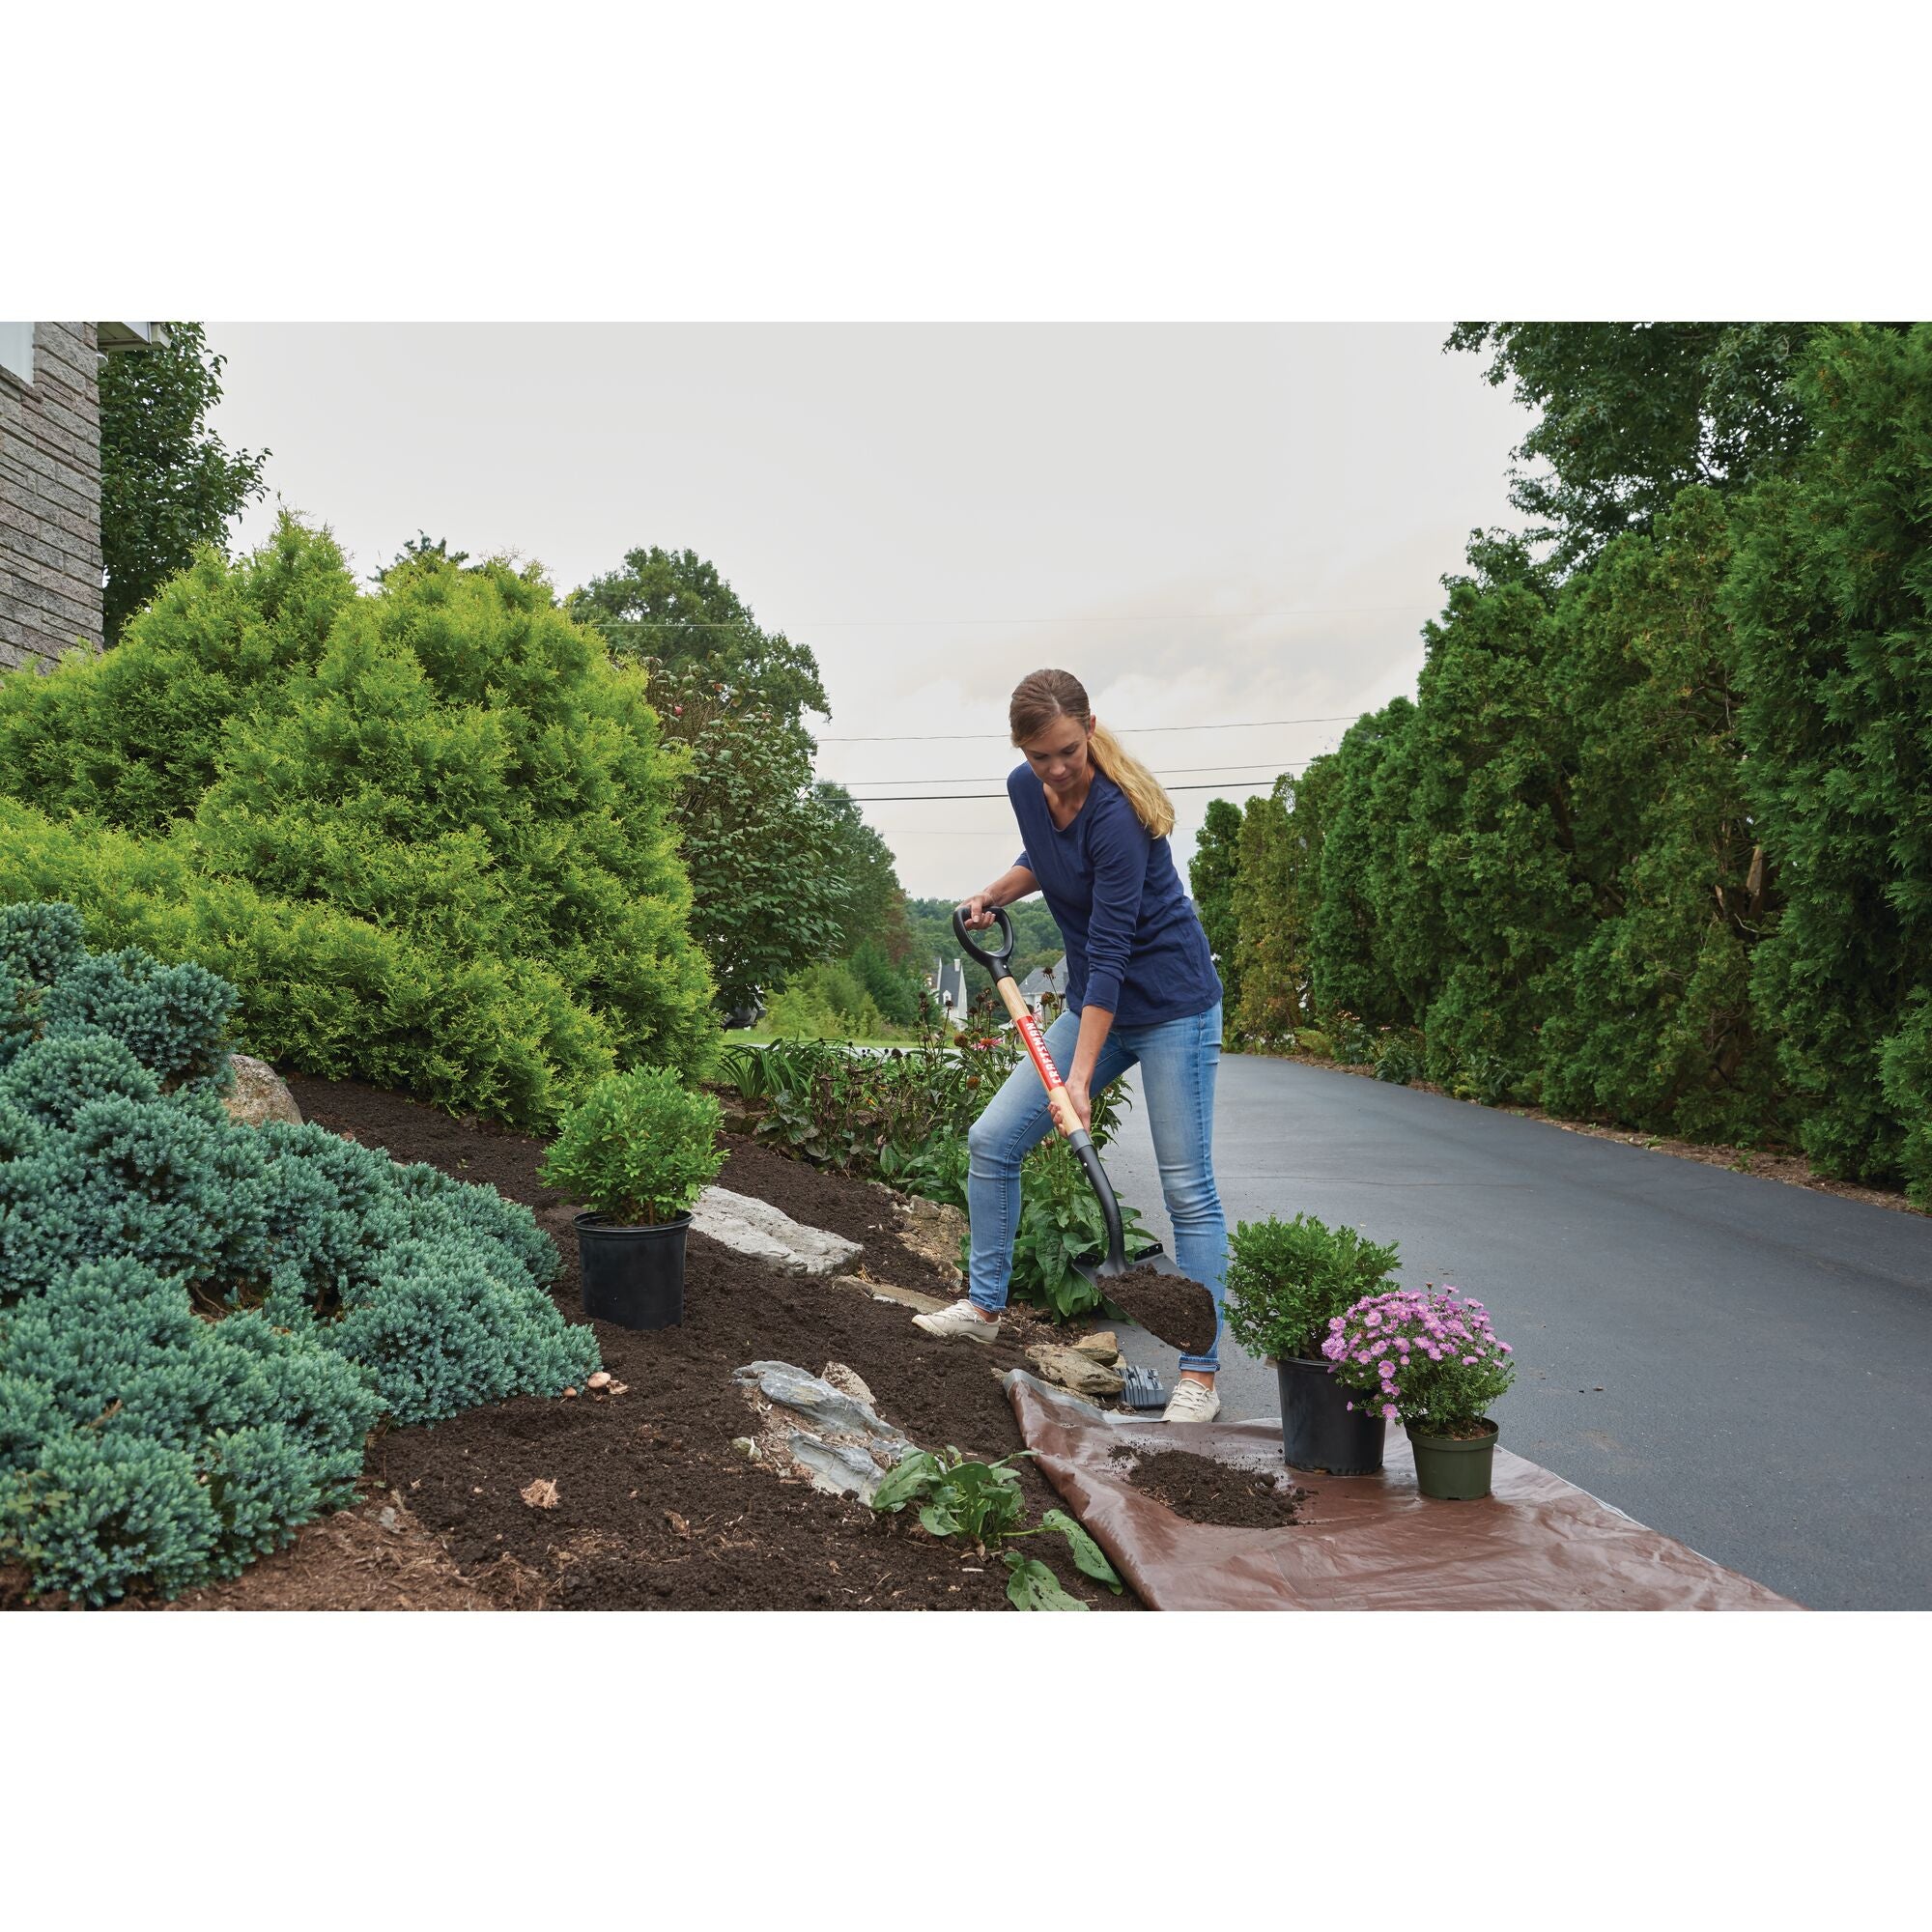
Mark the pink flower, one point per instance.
(1468, 1359)
(1374, 1319)
(1386, 1371)
(1389, 1411)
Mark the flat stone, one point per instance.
(838, 1468)
(884, 1291)
(1104, 1348)
(1073, 1370)
(830, 1409)
(260, 1095)
(766, 1234)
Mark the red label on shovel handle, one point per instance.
(1058, 1105)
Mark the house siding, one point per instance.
(50, 500)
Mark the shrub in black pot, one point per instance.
(1286, 1281)
(638, 1150)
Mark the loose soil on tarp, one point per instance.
(1178, 1311)
(1201, 1490)
(654, 1509)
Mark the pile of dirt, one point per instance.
(653, 1509)
(1178, 1309)
(1201, 1490)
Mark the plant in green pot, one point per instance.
(638, 1149)
(1287, 1282)
(1432, 1362)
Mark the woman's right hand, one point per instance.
(979, 912)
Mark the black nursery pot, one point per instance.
(1319, 1431)
(632, 1276)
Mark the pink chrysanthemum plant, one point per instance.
(1429, 1360)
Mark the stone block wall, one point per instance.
(50, 499)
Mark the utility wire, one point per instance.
(968, 797)
(978, 778)
(1122, 730)
(870, 623)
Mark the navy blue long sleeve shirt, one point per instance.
(1135, 945)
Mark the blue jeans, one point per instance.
(1177, 1061)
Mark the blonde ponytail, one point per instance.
(1043, 695)
(1145, 792)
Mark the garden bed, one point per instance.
(653, 1507)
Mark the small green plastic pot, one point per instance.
(1453, 1468)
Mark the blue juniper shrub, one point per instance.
(200, 1321)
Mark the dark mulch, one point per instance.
(1201, 1490)
(1178, 1309)
(654, 1509)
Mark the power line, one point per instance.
(874, 623)
(1122, 730)
(979, 779)
(969, 797)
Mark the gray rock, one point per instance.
(260, 1095)
(830, 1409)
(766, 1234)
(838, 1468)
(745, 1447)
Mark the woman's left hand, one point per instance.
(1082, 1105)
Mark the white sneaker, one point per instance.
(962, 1319)
(1191, 1401)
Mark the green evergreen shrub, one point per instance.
(140, 1444)
(450, 771)
(174, 1019)
(143, 1443)
(38, 943)
(322, 991)
(639, 1147)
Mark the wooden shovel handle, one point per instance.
(1057, 1102)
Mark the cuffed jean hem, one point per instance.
(1178, 1059)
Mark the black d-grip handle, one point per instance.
(997, 964)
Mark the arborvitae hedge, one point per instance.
(425, 832)
(200, 1321)
(1655, 844)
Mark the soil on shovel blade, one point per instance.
(1201, 1490)
(1178, 1311)
(651, 1507)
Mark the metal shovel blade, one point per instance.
(1145, 1291)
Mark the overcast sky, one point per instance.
(1212, 525)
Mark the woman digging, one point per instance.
(1141, 990)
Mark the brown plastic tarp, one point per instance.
(1364, 1543)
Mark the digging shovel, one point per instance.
(1146, 1289)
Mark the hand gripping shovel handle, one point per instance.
(1000, 965)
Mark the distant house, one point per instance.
(50, 569)
(947, 980)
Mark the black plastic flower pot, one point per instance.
(633, 1277)
(1319, 1431)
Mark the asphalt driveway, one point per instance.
(1743, 1364)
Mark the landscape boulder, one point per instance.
(260, 1095)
